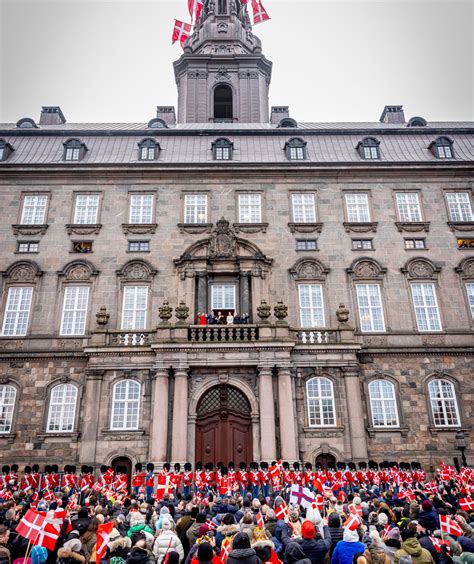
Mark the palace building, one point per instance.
(343, 253)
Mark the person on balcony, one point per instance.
(211, 318)
(230, 318)
(202, 318)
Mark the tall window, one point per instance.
(426, 307)
(443, 403)
(76, 301)
(62, 409)
(125, 405)
(195, 208)
(383, 404)
(250, 208)
(141, 208)
(357, 208)
(303, 208)
(459, 206)
(134, 312)
(223, 296)
(369, 301)
(311, 305)
(320, 396)
(17, 311)
(470, 297)
(86, 210)
(7, 406)
(34, 210)
(408, 206)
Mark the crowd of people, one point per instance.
(219, 318)
(346, 515)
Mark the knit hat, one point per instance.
(241, 540)
(308, 530)
(203, 530)
(166, 525)
(73, 545)
(205, 552)
(350, 536)
(427, 505)
(382, 519)
(394, 534)
(357, 500)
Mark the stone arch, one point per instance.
(117, 453)
(23, 271)
(78, 270)
(421, 268)
(466, 268)
(366, 268)
(326, 448)
(137, 270)
(309, 269)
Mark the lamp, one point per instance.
(461, 445)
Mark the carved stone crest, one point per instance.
(222, 242)
(366, 269)
(222, 73)
(78, 270)
(23, 271)
(421, 268)
(137, 270)
(309, 269)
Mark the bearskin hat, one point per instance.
(187, 467)
(27, 469)
(14, 467)
(264, 466)
(199, 465)
(104, 468)
(231, 465)
(138, 467)
(35, 467)
(84, 468)
(177, 467)
(167, 466)
(150, 467)
(243, 465)
(296, 465)
(209, 466)
(54, 468)
(286, 465)
(308, 466)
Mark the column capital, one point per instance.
(265, 370)
(181, 372)
(160, 372)
(94, 374)
(285, 370)
(350, 371)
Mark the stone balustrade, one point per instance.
(316, 336)
(129, 339)
(222, 333)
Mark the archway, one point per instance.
(325, 461)
(224, 426)
(223, 106)
(123, 464)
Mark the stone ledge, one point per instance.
(26, 229)
(401, 429)
(461, 225)
(83, 229)
(74, 436)
(195, 228)
(139, 228)
(412, 226)
(435, 430)
(335, 431)
(305, 227)
(360, 227)
(10, 437)
(250, 227)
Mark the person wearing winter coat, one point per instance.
(139, 554)
(347, 548)
(193, 532)
(294, 554)
(270, 521)
(241, 552)
(391, 543)
(71, 553)
(263, 546)
(227, 530)
(335, 530)
(314, 546)
(167, 540)
(428, 516)
(247, 525)
(119, 546)
(411, 548)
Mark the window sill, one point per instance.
(374, 431)
(423, 249)
(21, 229)
(250, 227)
(125, 435)
(139, 228)
(305, 227)
(453, 429)
(10, 437)
(360, 227)
(413, 226)
(195, 228)
(461, 225)
(26, 253)
(363, 250)
(73, 436)
(83, 229)
(334, 431)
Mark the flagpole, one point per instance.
(28, 548)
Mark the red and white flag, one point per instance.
(466, 504)
(38, 529)
(386, 530)
(103, 536)
(282, 512)
(449, 526)
(275, 469)
(48, 495)
(210, 523)
(194, 7)
(438, 543)
(318, 502)
(356, 509)
(352, 522)
(260, 521)
(181, 31)
(259, 13)
(164, 486)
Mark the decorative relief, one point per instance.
(421, 268)
(305, 227)
(83, 229)
(433, 340)
(309, 269)
(367, 227)
(223, 73)
(195, 228)
(69, 343)
(461, 225)
(466, 268)
(222, 27)
(11, 345)
(136, 270)
(250, 227)
(23, 271)
(78, 271)
(413, 226)
(197, 74)
(222, 242)
(139, 228)
(29, 229)
(248, 74)
(366, 269)
(375, 341)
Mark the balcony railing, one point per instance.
(129, 338)
(222, 333)
(316, 336)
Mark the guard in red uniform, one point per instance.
(223, 484)
(232, 474)
(254, 478)
(35, 477)
(138, 479)
(308, 477)
(209, 477)
(150, 480)
(199, 482)
(264, 476)
(25, 482)
(243, 478)
(287, 475)
(187, 479)
(14, 481)
(297, 474)
(54, 477)
(276, 479)
(177, 478)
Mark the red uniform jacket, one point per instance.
(254, 478)
(138, 479)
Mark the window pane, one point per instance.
(311, 305)
(141, 208)
(443, 403)
(320, 397)
(426, 307)
(86, 209)
(250, 208)
(223, 296)
(408, 207)
(370, 308)
(34, 209)
(470, 297)
(7, 405)
(357, 208)
(75, 305)
(17, 311)
(459, 206)
(62, 408)
(195, 208)
(126, 405)
(134, 312)
(383, 404)
(303, 208)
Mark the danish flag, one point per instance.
(210, 523)
(164, 486)
(386, 530)
(438, 543)
(103, 536)
(356, 509)
(194, 7)
(259, 518)
(281, 512)
(466, 504)
(318, 502)
(48, 495)
(275, 469)
(352, 522)
(449, 526)
(38, 529)
(259, 13)
(181, 32)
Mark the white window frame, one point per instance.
(371, 152)
(75, 309)
(148, 152)
(409, 208)
(436, 386)
(304, 208)
(357, 207)
(250, 208)
(318, 400)
(424, 321)
(17, 311)
(470, 297)
(222, 289)
(7, 407)
(297, 154)
(72, 154)
(195, 205)
(90, 206)
(445, 151)
(120, 419)
(459, 206)
(315, 298)
(62, 408)
(222, 153)
(133, 321)
(34, 209)
(383, 401)
(141, 209)
(367, 324)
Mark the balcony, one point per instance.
(222, 333)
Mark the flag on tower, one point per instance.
(194, 7)
(181, 32)
(259, 13)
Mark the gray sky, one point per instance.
(333, 60)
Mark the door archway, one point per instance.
(223, 103)
(123, 464)
(224, 426)
(325, 461)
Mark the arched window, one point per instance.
(26, 123)
(74, 150)
(383, 404)
(320, 394)
(222, 150)
(369, 148)
(442, 148)
(296, 149)
(417, 122)
(222, 7)
(125, 405)
(7, 406)
(223, 106)
(443, 403)
(148, 150)
(288, 122)
(62, 409)
(157, 123)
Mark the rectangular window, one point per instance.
(17, 311)
(357, 208)
(28, 247)
(134, 312)
(303, 208)
(72, 154)
(34, 210)
(86, 210)
(371, 153)
(311, 305)
(147, 153)
(426, 307)
(138, 246)
(222, 153)
(195, 208)
(223, 297)
(81, 246)
(470, 297)
(75, 304)
(371, 315)
(459, 206)
(445, 152)
(297, 153)
(141, 208)
(415, 243)
(362, 244)
(2, 153)
(306, 245)
(408, 206)
(250, 208)
(465, 243)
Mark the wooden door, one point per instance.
(123, 464)
(325, 461)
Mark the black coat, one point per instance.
(243, 556)
(316, 549)
(294, 554)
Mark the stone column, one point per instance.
(202, 292)
(90, 418)
(355, 414)
(179, 438)
(159, 416)
(289, 449)
(245, 305)
(267, 414)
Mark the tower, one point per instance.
(223, 75)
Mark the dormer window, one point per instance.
(5, 150)
(222, 149)
(74, 150)
(26, 123)
(157, 124)
(369, 148)
(288, 122)
(148, 150)
(296, 149)
(442, 148)
(417, 122)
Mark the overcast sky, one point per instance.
(333, 60)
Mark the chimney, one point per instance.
(167, 114)
(393, 114)
(278, 113)
(51, 115)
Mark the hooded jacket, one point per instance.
(317, 548)
(243, 556)
(412, 548)
(167, 541)
(294, 554)
(345, 549)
